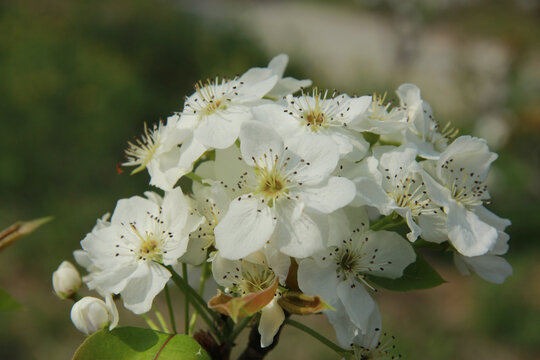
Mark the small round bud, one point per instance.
(91, 314)
(66, 280)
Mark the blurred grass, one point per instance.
(78, 79)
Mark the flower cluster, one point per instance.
(299, 201)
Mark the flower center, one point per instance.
(465, 187)
(150, 249)
(271, 184)
(212, 96)
(347, 261)
(255, 278)
(142, 151)
(315, 119)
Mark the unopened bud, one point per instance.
(91, 314)
(66, 280)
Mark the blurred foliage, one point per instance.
(78, 80)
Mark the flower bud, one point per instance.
(66, 280)
(91, 314)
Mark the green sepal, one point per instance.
(132, 343)
(417, 276)
(7, 303)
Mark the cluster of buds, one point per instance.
(295, 203)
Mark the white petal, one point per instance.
(316, 157)
(215, 131)
(315, 280)
(343, 326)
(256, 140)
(134, 209)
(358, 304)
(301, 237)
(492, 268)
(468, 234)
(438, 193)
(244, 229)
(144, 285)
(287, 85)
(278, 64)
(326, 198)
(433, 227)
(272, 317)
(113, 311)
(416, 231)
(469, 152)
(390, 253)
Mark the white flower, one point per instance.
(337, 274)
(457, 184)
(394, 183)
(143, 234)
(254, 274)
(423, 131)
(286, 190)
(381, 118)
(320, 115)
(218, 108)
(211, 202)
(91, 314)
(66, 280)
(168, 152)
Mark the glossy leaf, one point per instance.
(139, 344)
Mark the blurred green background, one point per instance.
(78, 79)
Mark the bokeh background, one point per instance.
(79, 78)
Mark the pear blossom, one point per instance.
(423, 131)
(211, 202)
(91, 314)
(167, 151)
(337, 274)
(253, 274)
(218, 108)
(284, 192)
(320, 115)
(143, 234)
(394, 184)
(381, 118)
(66, 280)
(456, 183)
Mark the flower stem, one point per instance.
(161, 320)
(171, 310)
(238, 329)
(204, 275)
(318, 336)
(186, 305)
(198, 303)
(150, 322)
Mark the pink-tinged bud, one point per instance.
(66, 280)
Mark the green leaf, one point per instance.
(7, 303)
(139, 344)
(418, 275)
